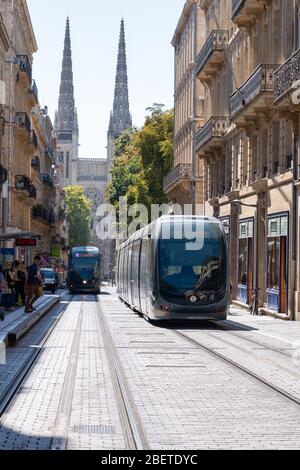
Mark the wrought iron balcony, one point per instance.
(212, 53)
(23, 121)
(43, 214)
(61, 215)
(47, 180)
(35, 163)
(25, 66)
(182, 172)
(49, 152)
(34, 139)
(3, 174)
(258, 87)
(23, 183)
(212, 133)
(242, 10)
(34, 91)
(285, 76)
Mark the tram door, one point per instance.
(143, 274)
(129, 275)
(135, 275)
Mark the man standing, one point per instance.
(34, 285)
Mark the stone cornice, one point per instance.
(25, 19)
(183, 20)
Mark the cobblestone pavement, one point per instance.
(185, 398)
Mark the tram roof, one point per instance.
(80, 249)
(165, 219)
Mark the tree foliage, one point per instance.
(142, 159)
(78, 216)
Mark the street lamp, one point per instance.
(237, 202)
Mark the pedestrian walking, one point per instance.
(34, 285)
(9, 294)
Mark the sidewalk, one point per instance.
(285, 331)
(17, 323)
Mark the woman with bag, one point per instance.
(20, 282)
(8, 296)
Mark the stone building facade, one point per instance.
(184, 184)
(27, 151)
(249, 144)
(4, 48)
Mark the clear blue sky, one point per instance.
(95, 28)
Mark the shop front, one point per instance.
(245, 261)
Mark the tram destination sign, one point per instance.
(26, 242)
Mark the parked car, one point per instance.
(51, 282)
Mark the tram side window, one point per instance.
(143, 264)
(125, 272)
(135, 262)
(121, 280)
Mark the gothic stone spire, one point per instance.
(121, 117)
(66, 119)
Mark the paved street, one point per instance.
(106, 379)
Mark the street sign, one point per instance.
(26, 242)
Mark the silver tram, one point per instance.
(176, 269)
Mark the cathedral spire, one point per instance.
(66, 119)
(121, 117)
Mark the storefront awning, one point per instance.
(13, 236)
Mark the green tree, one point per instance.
(142, 159)
(78, 216)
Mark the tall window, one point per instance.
(68, 165)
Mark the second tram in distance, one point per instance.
(84, 274)
(164, 277)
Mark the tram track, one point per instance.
(238, 366)
(134, 434)
(12, 388)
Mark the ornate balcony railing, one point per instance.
(34, 90)
(40, 212)
(217, 41)
(23, 121)
(49, 152)
(3, 174)
(47, 180)
(237, 5)
(181, 171)
(61, 214)
(25, 66)
(286, 75)
(23, 183)
(260, 81)
(35, 163)
(215, 127)
(34, 139)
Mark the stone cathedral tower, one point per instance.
(120, 117)
(66, 122)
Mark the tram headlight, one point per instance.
(84, 282)
(212, 298)
(193, 299)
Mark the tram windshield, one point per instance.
(85, 267)
(203, 268)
